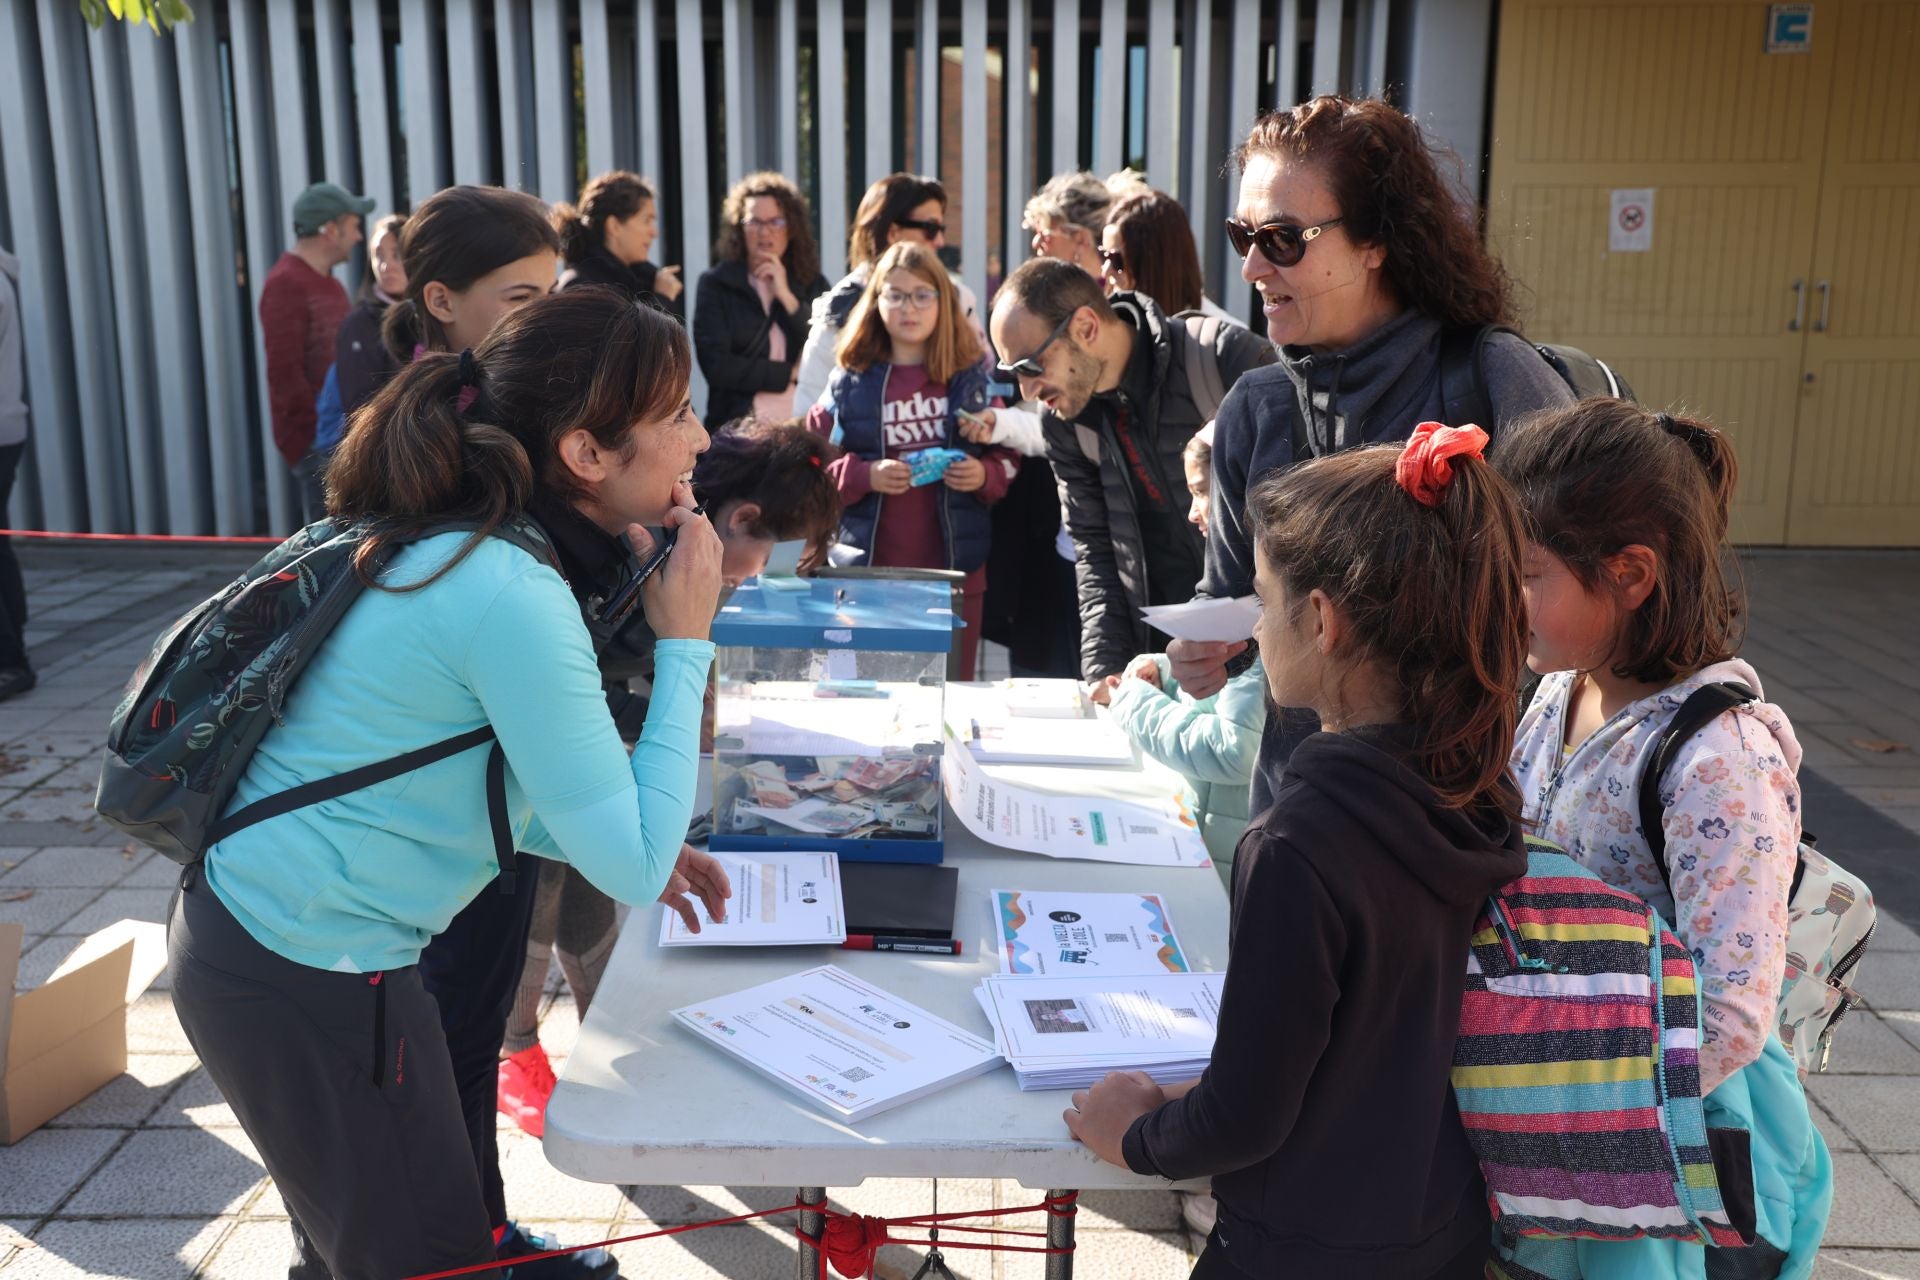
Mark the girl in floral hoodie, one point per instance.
(1630, 610)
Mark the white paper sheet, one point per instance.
(1206, 619)
(1108, 934)
(779, 899)
(1155, 828)
(849, 1048)
(1147, 1016)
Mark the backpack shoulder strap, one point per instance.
(1463, 381)
(1202, 357)
(1702, 707)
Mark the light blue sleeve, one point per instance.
(619, 819)
(1216, 741)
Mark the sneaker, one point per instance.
(1200, 1210)
(588, 1264)
(526, 1082)
(15, 681)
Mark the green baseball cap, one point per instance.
(322, 202)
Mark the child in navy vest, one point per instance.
(917, 493)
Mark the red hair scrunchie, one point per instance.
(1425, 467)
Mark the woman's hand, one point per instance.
(978, 429)
(1201, 665)
(1102, 1115)
(701, 875)
(774, 272)
(683, 593)
(1101, 690)
(890, 476)
(1145, 668)
(965, 476)
(667, 283)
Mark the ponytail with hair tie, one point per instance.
(1425, 468)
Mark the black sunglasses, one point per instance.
(1280, 243)
(1115, 258)
(925, 226)
(1029, 366)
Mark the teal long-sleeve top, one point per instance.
(1212, 740)
(359, 884)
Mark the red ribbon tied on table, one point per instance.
(1426, 467)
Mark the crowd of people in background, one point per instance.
(1096, 437)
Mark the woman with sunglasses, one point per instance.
(917, 492)
(1147, 247)
(750, 310)
(908, 207)
(1365, 258)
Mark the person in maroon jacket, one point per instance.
(301, 307)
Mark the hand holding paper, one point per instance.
(1206, 619)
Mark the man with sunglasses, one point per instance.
(1123, 388)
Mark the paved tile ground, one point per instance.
(151, 1177)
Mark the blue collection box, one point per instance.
(827, 722)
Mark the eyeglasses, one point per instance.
(764, 224)
(919, 299)
(1029, 366)
(931, 228)
(1114, 258)
(1280, 243)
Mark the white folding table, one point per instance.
(643, 1102)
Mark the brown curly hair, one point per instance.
(802, 257)
(1387, 179)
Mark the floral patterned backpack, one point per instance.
(215, 682)
(1830, 911)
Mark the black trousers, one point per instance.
(13, 588)
(343, 1082)
(1469, 1264)
(472, 970)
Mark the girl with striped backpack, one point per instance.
(1630, 610)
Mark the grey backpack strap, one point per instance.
(1203, 363)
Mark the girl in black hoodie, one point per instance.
(1390, 588)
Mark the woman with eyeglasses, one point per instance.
(909, 207)
(1372, 275)
(918, 494)
(750, 310)
(1147, 247)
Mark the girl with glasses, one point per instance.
(1368, 262)
(750, 311)
(901, 207)
(908, 365)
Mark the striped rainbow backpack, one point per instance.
(1577, 1069)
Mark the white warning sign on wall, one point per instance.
(1630, 220)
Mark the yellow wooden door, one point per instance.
(1682, 97)
(1856, 471)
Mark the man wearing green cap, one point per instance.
(301, 307)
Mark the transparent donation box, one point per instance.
(827, 725)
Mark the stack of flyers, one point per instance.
(1068, 1033)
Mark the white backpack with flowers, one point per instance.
(1830, 911)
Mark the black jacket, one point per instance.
(636, 281)
(362, 363)
(1327, 1119)
(1127, 509)
(731, 337)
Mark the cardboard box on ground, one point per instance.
(68, 1037)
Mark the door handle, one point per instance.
(1799, 306)
(1826, 305)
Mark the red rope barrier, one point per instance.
(849, 1240)
(182, 539)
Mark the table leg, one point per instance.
(812, 1226)
(1060, 1236)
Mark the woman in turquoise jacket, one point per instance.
(294, 946)
(1212, 742)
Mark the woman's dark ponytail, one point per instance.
(413, 457)
(400, 330)
(576, 235)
